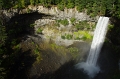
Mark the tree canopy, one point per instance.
(92, 7)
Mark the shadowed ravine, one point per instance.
(52, 65)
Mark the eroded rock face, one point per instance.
(67, 13)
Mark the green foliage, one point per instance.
(70, 5)
(77, 25)
(86, 36)
(39, 30)
(77, 38)
(82, 25)
(93, 7)
(73, 51)
(61, 7)
(32, 25)
(63, 50)
(34, 2)
(6, 4)
(37, 52)
(82, 35)
(67, 36)
(3, 73)
(73, 20)
(3, 37)
(80, 9)
(28, 10)
(110, 26)
(1, 4)
(63, 22)
(20, 4)
(63, 37)
(3, 34)
(116, 76)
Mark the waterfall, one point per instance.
(98, 40)
(90, 66)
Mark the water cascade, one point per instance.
(90, 66)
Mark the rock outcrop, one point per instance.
(67, 13)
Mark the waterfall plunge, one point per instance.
(90, 66)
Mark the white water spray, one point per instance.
(90, 66)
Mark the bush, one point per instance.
(61, 7)
(39, 30)
(63, 22)
(3, 34)
(89, 10)
(93, 14)
(70, 5)
(82, 25)
(73, 20)
(83, 35)
(63, 37)
(79, 27)
(68, 36)
(80, 9)
(110, 27)
(86, 35)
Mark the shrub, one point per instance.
(79, 27)
(70, 5)
(63, 37)
(39, 30)
(73, 20)
(32, 25)
(110, 27)
(57, 23)
(79, 8)
(64, 22)
(86, 35)
(61, 7)
(83, 35)
(89, 10)
(68, 36)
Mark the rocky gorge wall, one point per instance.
(57, 14)
(53, 14)
(44, 67)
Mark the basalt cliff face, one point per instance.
(54, 11)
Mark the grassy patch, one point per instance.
(82, 35)
(79, 35)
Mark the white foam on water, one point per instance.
(89, 69)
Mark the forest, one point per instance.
(92, 7)
(109, 8)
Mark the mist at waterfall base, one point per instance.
(90, 67)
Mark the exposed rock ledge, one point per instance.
(67, 13)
